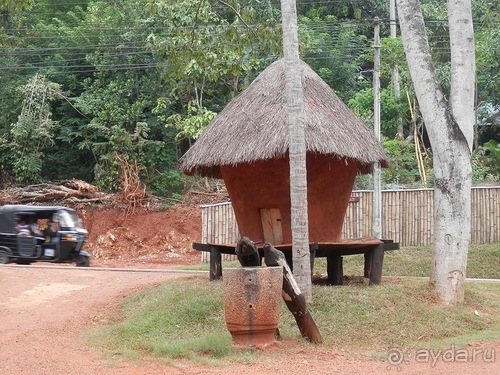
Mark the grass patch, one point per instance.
(483, 262)
(178, 319)
(184, 319)
(402, 313)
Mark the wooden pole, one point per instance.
(294, 299)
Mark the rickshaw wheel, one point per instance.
(4, 258)
(82, 261)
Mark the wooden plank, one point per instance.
(271, 225)
(292, 295)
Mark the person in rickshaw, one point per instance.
(33, 227)
(50, 232)
(23, 229)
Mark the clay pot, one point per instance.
(252, 298)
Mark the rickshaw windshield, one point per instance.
(68, 219)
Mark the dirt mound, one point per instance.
(144, 237)
(121, 235)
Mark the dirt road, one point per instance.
(46, 310)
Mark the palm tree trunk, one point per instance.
(297, 150)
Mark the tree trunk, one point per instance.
(449, 137)
(395, 69)
(297, 150)
(463, 66)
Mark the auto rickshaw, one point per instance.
(42, 234)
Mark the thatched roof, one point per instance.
(253, 126)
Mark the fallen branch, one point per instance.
(73, 191)
(204, 193)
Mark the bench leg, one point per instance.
(334, 269)
(374, 259)
(368, 264)
(215, 264)
(312, 253)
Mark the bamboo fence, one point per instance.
(218, 226)
(407, 218)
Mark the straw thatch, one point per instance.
(253, 126)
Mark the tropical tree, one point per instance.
(119, 97)
(334, 48)
(296, 149)
(450, 128)
(34, 130)
(206, 52)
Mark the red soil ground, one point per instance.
(152, 239)
(46, 311)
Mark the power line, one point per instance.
(138, 47)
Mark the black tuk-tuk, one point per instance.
(42, 233)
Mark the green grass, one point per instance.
(184, 319)
(483, 262)
(173, 320)
(402, 313)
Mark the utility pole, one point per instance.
(377, 194)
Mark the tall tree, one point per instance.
(34, 130)
(296, 149)
(8, 5)
(450, 128)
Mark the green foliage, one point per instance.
(392, 55)
(486, 162)
(333, 50)
(15, 5)
(120, 102)
(188, 126)
(492, 153)
(167, 184)
(200, 70)
(403, 169)
(487, 34)
(34, 130)
(391, 109)
(143, 78)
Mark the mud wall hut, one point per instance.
(247, 146)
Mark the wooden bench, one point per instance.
(372, 248)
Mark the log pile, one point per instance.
(73, 192)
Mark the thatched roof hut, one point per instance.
(247, 145)
(253, 126)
